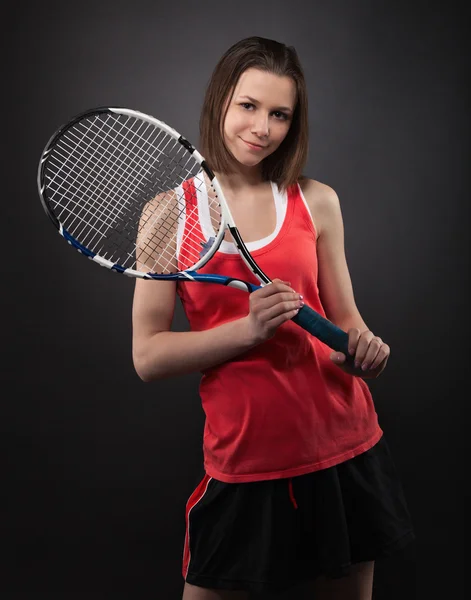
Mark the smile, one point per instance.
(254, 146)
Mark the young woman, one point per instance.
(298, 484)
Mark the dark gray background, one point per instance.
(98, 466)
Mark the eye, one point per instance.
(247, 105)
(280, 115)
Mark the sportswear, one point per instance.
(283, 408)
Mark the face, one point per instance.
(259, 115)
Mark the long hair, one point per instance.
(285, 165)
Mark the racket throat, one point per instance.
(249, 261)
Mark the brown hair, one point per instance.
(285, 165)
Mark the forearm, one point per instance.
(351, 320)
(170, 353)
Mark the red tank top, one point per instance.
(281, 409)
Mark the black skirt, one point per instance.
(272, 535)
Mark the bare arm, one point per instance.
(335, 286)
(159, 352)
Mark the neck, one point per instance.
(241, 177)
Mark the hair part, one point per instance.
(285, 165)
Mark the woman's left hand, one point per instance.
(369, 351)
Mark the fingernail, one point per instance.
(357, 364)
(364, 366)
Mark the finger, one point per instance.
(273, 288)
(276, 280)
(353, 337)
(338, 358)
(362, 347)
(282, 318)
(381, 357)
(280, 308)
(371, 353)
(280, 298)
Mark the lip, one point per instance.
(253, 146)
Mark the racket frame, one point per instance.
(227, 221)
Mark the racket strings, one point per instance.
(148, 162)
(114, 182)
(165, 239)
(83, 203)
(128, 177)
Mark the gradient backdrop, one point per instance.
(97, 465)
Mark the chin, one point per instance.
(247, 161)
(250, 163)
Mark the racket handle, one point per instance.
(323, 329)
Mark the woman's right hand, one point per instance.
(269, 307)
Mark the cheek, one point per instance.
(280, 133)
(234, 123)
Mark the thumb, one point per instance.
(338, 357)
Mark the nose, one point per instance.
(260, 126)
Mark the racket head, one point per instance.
(116, 182)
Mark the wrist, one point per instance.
(246, 332)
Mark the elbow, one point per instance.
(146, 372)
(144, 375)
(151, 361)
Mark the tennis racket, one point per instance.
(133, 195)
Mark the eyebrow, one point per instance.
(286, 108)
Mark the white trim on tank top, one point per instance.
(281, 203)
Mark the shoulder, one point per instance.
(322, 201)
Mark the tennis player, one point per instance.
(298, 482)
